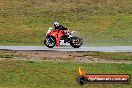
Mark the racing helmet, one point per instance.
(56, 24)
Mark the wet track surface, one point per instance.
(68, 48)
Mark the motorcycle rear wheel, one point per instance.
(50, 42)
(76, 42)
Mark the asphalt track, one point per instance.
(68, 48)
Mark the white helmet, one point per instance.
(56, 24)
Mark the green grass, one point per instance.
(98, 22)
(109, 55)
(6, 56)
(32, 74)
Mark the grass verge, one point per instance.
(98, 22)
(110, 55)
(35, 74)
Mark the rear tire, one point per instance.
(50, 42)
(76, 42)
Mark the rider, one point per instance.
(60, 27)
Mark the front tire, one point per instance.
(50, 42)
(76, 42)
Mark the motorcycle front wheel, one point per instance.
(50, 42)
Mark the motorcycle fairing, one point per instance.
(57, 34)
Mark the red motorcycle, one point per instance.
(54, 37)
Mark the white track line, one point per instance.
(67, 48)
